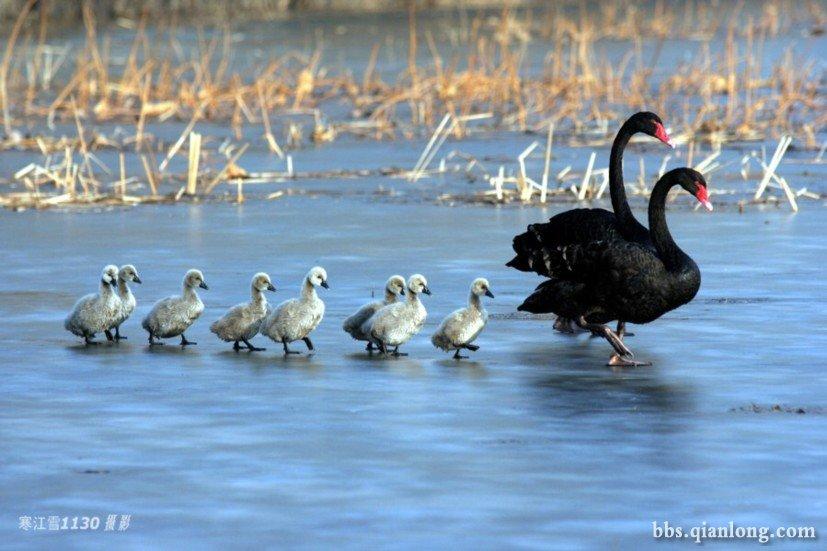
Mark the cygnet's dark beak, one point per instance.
(203, 285)
(111, 282)
(137, 279)
(488, 293)
(426, 290)
(402, 292)
(325, 285)
(271, 287)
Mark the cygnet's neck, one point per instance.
(123, 288)
(308, 290)
(474, 301)
(189, 292)
(390, 296)
(106, 289)
(257, 295)
(413, 298)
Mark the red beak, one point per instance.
(660, 133)
(703, 197)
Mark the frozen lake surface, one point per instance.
(531, 443)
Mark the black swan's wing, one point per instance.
(605, 280)
(539, 249)
(614, 263)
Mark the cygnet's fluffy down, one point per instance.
(243, 321)
(95, 312)
(394, 287)
(296, 318)
(173, 315)
(460, 328)
(394, 325)
(126, 274)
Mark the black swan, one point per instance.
(537, 248)
(595, 282)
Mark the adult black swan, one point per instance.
(536, 248)
(597, 281)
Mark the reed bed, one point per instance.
(473, 79)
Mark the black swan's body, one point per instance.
(612, 278)
(540, 248)
(583, 225)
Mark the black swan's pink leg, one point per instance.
(621, 330)
(616, 360)
(623, 355)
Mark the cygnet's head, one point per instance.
(195, 278)
(109, 276)
(418, 284)
(396, 285)
(128, 273)
(480, 287)
(261, 282)
(317, 276)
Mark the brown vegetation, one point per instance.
(719, 96)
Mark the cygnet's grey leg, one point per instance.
(236, 346)
(369, 348)
(287, 350)
(185, 342)
(153, 342)
(382, 348)
(250, 346)
(309, 343)
(472, 347)
(109, 336)
(88, 340)
(397, 353)
(118, 335)
(458, 356)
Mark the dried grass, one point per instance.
(733, 95)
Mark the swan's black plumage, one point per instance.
(606, 279)
(541, 248)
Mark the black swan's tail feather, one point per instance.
(545, 298)
(519, 262)
(542, 247)
(536, 251)
(526, 246)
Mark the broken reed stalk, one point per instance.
(192, 166)
(150, 176)
(418, 167)
(4, 68)
(547, 163)
(770, 169)
(584, 187)
(139, 131)
(123, 174)
(217, 180)
(69, 181)
(180, 141)
(84, 149)
(265, 119)
(525, 184)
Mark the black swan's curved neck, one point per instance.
(672, 256)
(629, 226)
